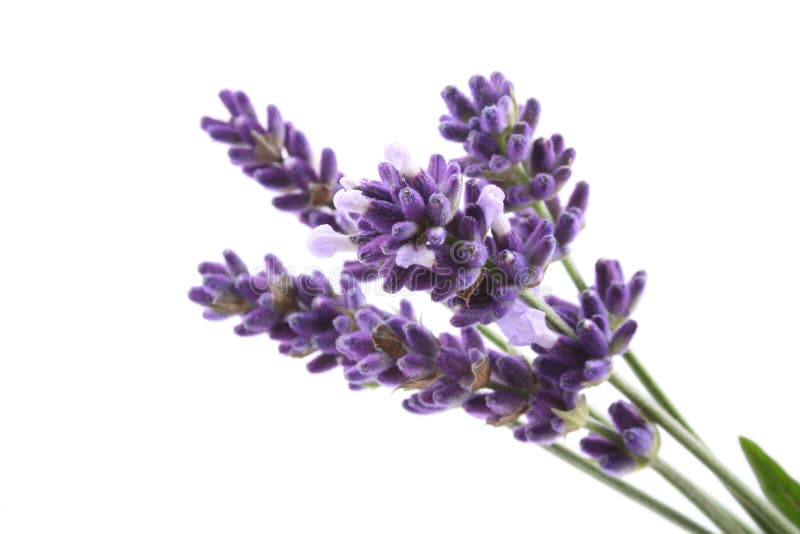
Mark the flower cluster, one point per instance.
(497, 136)
(638, 441)
(372, 347)
(477, 233)
(577, 362)
(620, 297)
(278, 157)
(496, 132)
(412, 232)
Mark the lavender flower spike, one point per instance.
(279, 158)
(373, 347)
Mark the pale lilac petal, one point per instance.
(351, 201)
(324, 242)
(348, 183)
(524, 325)
(400, 158)
(409, 255)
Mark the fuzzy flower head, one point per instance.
(498, 138)
(277, 156)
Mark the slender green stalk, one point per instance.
(752, 502)
(649, 383)
(705, 502)
(574, 273)
(626, 489)
(494, 337)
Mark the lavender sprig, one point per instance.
(434, 230)
(278, 156)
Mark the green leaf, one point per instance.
(777, 485)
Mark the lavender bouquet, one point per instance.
(478, 234)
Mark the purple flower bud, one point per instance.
(405, 230)
(292, 201)
(481, 144)
(499, 164)
(579, 197)
(482, 92)
(617, 463)
(493, 120)
(353, 375)
(450, 395)
(322, 363)
(568, 226)
(504, 402)
(215, 283)
(542, 186)
(420, 339)
(593, 339)
(515, 371)
(297, 145)
(638, 440)
(356, 345)
(234, 263)
(374, 362)
(516, 147)
(542, 155)
(221, 131)
(636, 288)
(272, 177)
(530, 112)
(625, 415)
(606, 272)
(616, 298)
(454, 131)
(412, 204)
(622, 337)
(438, 209)
(391, 378)
(458, 103)
(415, 365)
(275, 124)
(476, 407)
(259, 319)
(200, 296)
(591, 304)
(597, 370)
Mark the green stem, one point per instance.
(752, 502)
(494, 337)
(626, 489)
(649, 383)
(574, 273)
(705, 502)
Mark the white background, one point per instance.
(121, 410)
